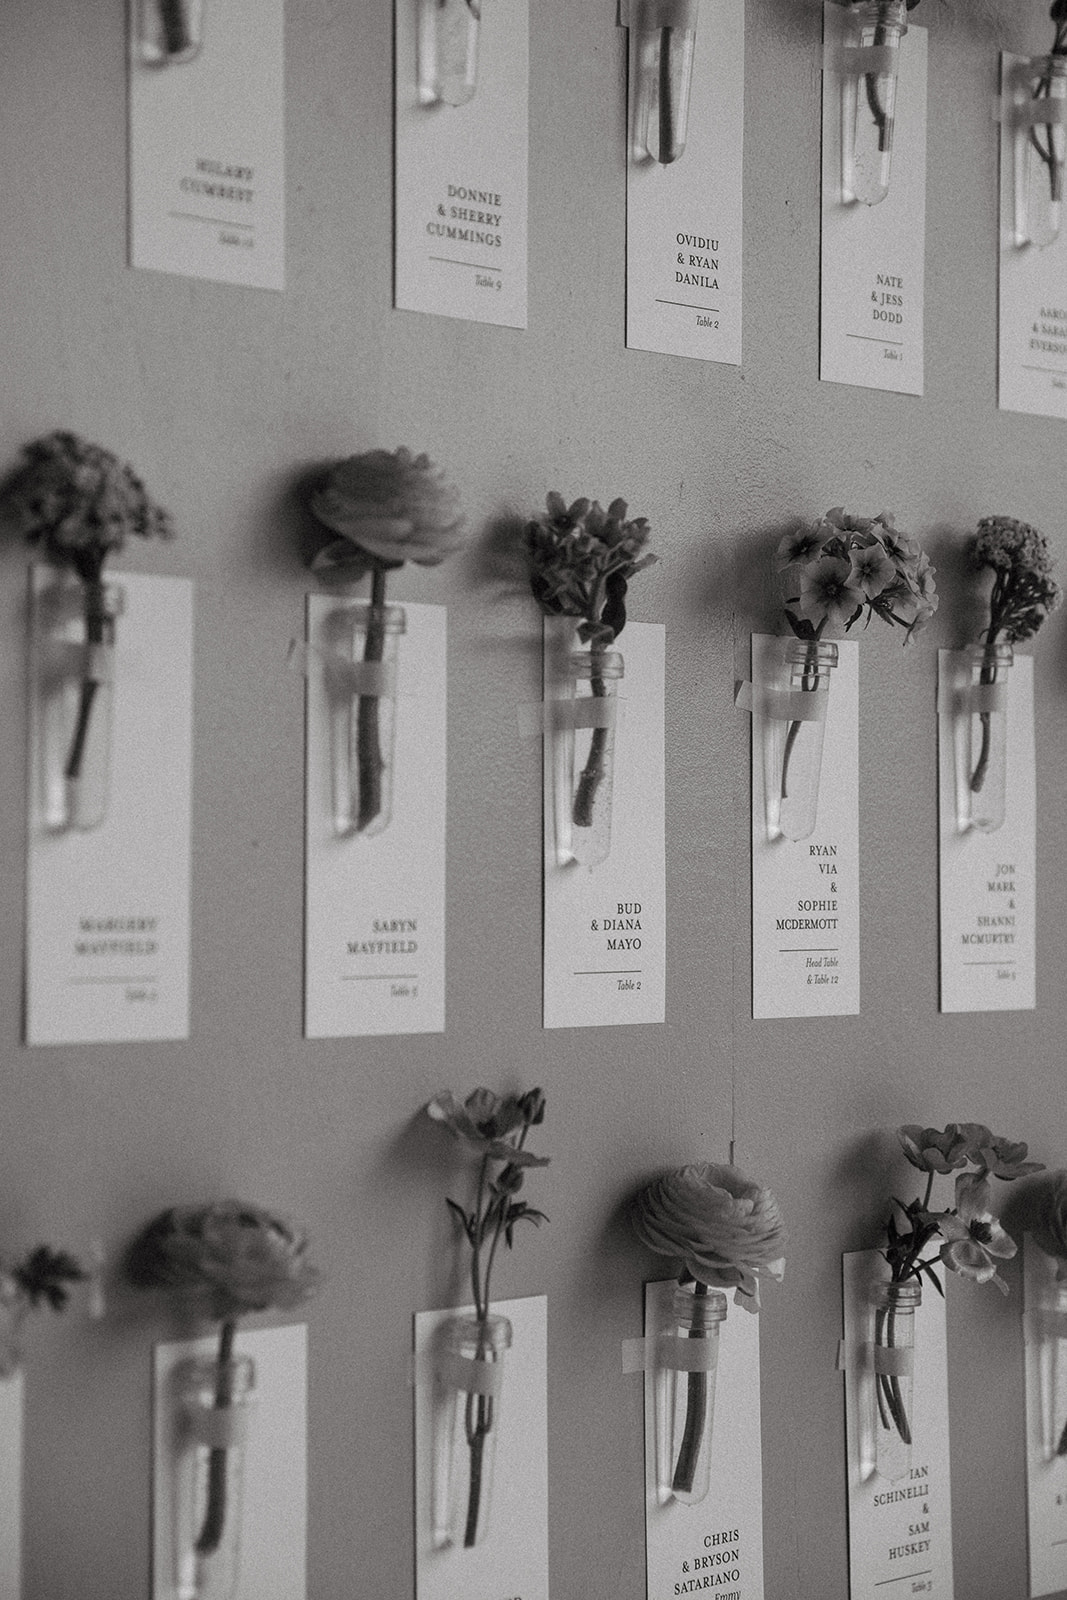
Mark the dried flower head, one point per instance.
(726, 1229)
(389, 507)
(79, 502)
(581, 561)
(846, 565)
(224, 1260)
(1023, 593)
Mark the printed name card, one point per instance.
(715, 1545)
(11, 1407)
(207, 148)
(988, 878)
(1045, 1348)
(1033, 273)
(899, 1505)
(510, 1403)
(871, 329)
(805, 892)
(375, 895)
(461, 169)
(272, 1435)
(109, 813)
(604, 871)
(683, 218)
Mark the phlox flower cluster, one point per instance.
(845, 565)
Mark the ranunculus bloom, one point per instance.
(389, 507)
(975, 1239)
(224, 1259)
(725, 1229)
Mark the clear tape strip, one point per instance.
(897, 1362)
(219, 1427)
(474, 1377)
(670, 1354)
(783, 705)
(589, 712)
(856, 61)
(953, 697)
(1030, 113)
(368, 679)
(1045, 1323)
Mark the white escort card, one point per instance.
(207, 150)
(805, 892)
(272, 1547)
(1045, 1349)
(683, 219)
(461, 176)
(715, 1545)
(11, 1406)
(375, 902)
(988, 880)
(511, 1559)
(1032, 368)
(871, 328)
(899, 1528)
(605, 924)
(108, 903)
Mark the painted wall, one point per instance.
(222, 397)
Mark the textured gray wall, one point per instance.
(220, 396)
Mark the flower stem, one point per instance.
(666, 97)
(987, 675)
(696, 1397)
(595, 770)
(215, 1509)
(368, 729)
(878, 112)
(96, 622)
(809, 682)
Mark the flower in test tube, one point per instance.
(78, 503)
(221, 1261)
(486, 1121)
(974, 1239)
(43, 1277)
(830, 594)
(726, 1229)
(388, 506)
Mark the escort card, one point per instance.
(1033, 279)
(604, 930)
(512, 1558)
(987, 879)
(207, 150)
(683, 220)
(11, 1407)
(1045, 1349)
(108, 897)
(805, 892)
(461, 176)
(375, 902)
(899, 1528)
(871, 329)
(273, 1537)
(717, 1544)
